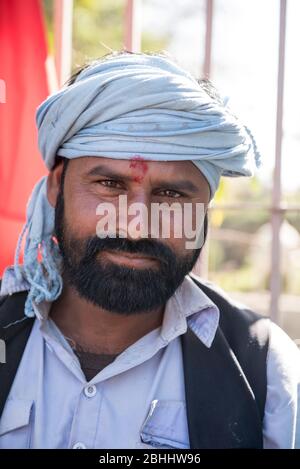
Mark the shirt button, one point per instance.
(90, 391)
(79, 446)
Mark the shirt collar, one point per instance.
(190, 307)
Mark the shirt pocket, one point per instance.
(165, 426)
(15, 428)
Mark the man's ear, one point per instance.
(53, 183)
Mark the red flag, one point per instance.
(23, 85)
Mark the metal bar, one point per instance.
(202, 266)
(133, 27)
(275, 282)
(208, 38)
(63, 15)
(254, 206)
(51, 74)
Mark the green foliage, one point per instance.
(48, 17)
(98, 28)
(242, 279)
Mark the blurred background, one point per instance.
(249, 50)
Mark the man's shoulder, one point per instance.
(12, 306)
(246, 331)
(227, 305)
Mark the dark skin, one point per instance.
(88, 182)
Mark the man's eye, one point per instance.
(170, 193)
(110, 183)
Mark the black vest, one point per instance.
(225, 385)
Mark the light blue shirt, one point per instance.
(137, 401)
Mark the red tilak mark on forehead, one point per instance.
(139, 167)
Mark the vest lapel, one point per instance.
(221, 409)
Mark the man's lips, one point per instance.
(130, 259)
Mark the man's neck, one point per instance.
(97, 330)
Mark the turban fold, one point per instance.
(146, 105)
(127, 105)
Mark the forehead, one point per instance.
(154, 170)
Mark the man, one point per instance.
(111, 342)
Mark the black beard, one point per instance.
(116, 288)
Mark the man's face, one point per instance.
(140, 270)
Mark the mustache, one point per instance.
(150, 248)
